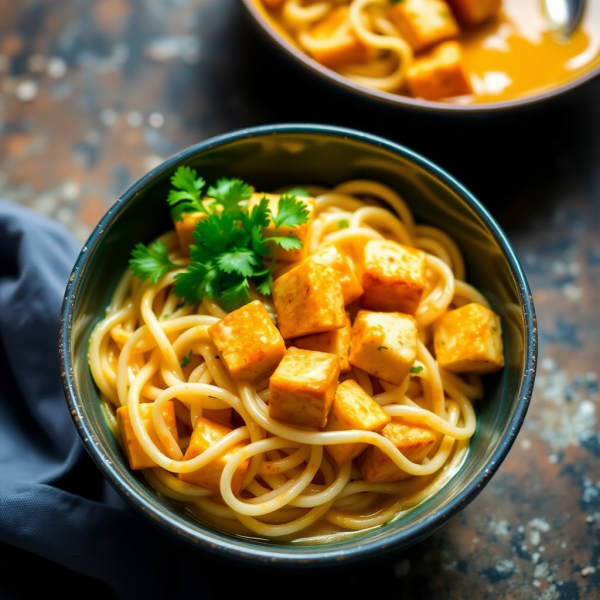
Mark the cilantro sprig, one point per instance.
(151, 262)
(233, 246)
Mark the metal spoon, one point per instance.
(564, 15)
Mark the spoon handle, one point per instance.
(564, 16)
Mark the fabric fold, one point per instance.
(53, 503)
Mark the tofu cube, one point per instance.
(137, 457)
(393, 277)
(414, 441)
(301, 232)
(475, 11)
(222, 416)
(353, 408)
(348, 49)
(334, 342)
(206, 434)
(439, 73)
(248, 341)
(469, 340)
(384, 344)
(423, 23)
(332, 256)
(303, 386)
(187, 224)
(308, 299)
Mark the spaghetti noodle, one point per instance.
(151, 353)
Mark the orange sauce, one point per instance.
(515, 54)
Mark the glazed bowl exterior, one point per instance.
(270, 157)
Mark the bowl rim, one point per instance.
(229, 548)
(330, 76)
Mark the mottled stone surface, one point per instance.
(94, 93)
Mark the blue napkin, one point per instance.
(61, 525)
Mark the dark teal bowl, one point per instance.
(270, 157)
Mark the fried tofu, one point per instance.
(334, 342)
(423, 23)
(353, 408)
(348, 49)
(186, 226)
(393, 277)
(137, 457)
(205, 435)
(439, 73)
(332, 256)
(475, 11)
(303, 386)
(301, 232)
(469, 340)
(248, 341)
(414, 441)
(384, 344)
(308, 299)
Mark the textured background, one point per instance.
(94, 93)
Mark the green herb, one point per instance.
(151, 262)
(186, 360)
(400, 342)
(187, 197)
(416, 370)
(382, 348)
(397, 1)
(232, 248)
(343, 224)
(298, 192)
(165, 316)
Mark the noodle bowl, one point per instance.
(270, 157)
(292, 489)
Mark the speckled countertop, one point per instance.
(95, 93)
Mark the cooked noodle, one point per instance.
(293, 490)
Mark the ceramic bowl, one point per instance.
(283, 43)
(270, 157)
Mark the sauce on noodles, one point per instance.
(167, 381)
(512, 53)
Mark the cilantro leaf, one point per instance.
(229, 192)
(264, 284)
(240, 260)
(259, 245)
(186, 360)
(151, 262)
(188, 195)
(195, 281)
(290, 212)
(416, 370)
(287, 242)
(343, 224)
(236, 295)
(299, 192)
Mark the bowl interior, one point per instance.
(269, 158)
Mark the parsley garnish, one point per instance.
(380, 348)
(416, 370)
(231, 248)
(343, 224)
(186, 360)
(151, 262)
